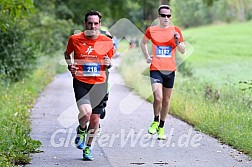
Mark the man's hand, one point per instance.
(176, 38)
(107, 61)
(72, 68)
(149, 59)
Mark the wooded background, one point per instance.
(41, 27)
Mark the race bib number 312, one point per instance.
(163, 51)
(91, 69)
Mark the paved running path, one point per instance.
(123, 141)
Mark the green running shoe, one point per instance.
(161, 134)
(87, 154)
(153, 128)
(80, 138)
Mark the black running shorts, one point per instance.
(92, 94)
(166, 78)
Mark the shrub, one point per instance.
(17, 56)
(49, 33)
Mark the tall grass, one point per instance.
(226, 114)
(16, 101)
(217, 99)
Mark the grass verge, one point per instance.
(16, 100)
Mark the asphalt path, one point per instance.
(123, 141)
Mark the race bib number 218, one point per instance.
(91, 69)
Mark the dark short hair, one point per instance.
(163, 7)
(91, 13)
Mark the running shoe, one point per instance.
(87, 154)
(153, 128)
(161, 134)
(80, 138)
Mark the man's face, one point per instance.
(92, 26)
(164, 17)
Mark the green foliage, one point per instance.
(19, 42)
(222, 113)
(214, 45)
(15, 10)
(183, 66)
(209, 2)
(49, 33)
(246, 85)
(52, 25)
(17, 53)
(143, 13)
(186, 69)
(63, 12)
(15, 141)
(45, 6)
(201, 12)
(111, 10)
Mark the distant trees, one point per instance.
(51, 22)
(199, 12)
(25, 33)
(142, 13)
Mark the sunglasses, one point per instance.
(165, 15)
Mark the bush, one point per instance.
(50, 34)
(20, 44)
(17, 56)
(15, 141)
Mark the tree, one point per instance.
(164, 2)
(16, 51)
(14, 10)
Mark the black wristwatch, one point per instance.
(109, 66)
(69, 67)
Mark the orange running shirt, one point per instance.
(163, 47)
(89, 55)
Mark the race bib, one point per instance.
(163, 51)
(91, 69)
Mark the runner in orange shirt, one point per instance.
(166, 39)
(92, 55)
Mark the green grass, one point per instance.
(16, 100)
(213, 100)
(223, 52)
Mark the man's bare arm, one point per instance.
(145, 50)
(68, 58)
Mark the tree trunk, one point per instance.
(241, 10)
